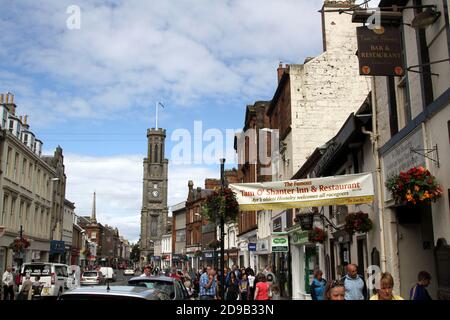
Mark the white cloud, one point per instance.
(130, 51)
(117, 182)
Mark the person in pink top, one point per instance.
(262, 288)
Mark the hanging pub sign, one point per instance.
(279, 195)
(380, 51)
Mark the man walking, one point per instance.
(355, 286)
(419, 291)
(8, 284)
(208, 284)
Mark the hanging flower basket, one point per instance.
(415, 186)
(358, 222)
(19, 245)
(316, 235)
(218, 205)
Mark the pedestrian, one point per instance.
(174, 274)
(244, 287)
(270, 276)
(274, 292)
(386, 288)
(355, 286)
(147, 272)
(251, 284)
(335, 290)
(232, 292)
(419, 291)
(8, 284)
(208, 285)
(262, 288)
(36, 287)
(25, 290)
(318, 285)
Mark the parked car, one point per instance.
(114, 293)
(54, 277)
(92, 278)
(128, 272)
(108, 273)
(173, 287)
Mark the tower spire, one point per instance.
(93, 218)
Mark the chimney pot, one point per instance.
(280, 71)
(7, 97)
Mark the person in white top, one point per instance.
(8, 284)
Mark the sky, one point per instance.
(93, 89)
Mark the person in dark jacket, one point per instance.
(318, 286)
(355, 286)
(419, 291)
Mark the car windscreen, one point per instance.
(38, 270)
(166, 287)
(90, 274)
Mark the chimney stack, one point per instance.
(1, 97)
(280, 71)
(7, 98)
(25, 120)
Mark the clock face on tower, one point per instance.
(155, 193)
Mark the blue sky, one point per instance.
(93, 90)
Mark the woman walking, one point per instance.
(262, 288)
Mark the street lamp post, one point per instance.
(222, 233)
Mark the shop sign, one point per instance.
(280, 243)
(299, 237)
(57, 247)
(380, 52)
(401, 158)
(252, 246)
(348, 189)
(233, 254)
(263, 246)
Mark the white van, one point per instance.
(53, 277)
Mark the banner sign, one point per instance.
(380, 51)
(326, 191)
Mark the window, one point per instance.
(30, 173)
(11, 126)
(424, 60)
(8, 161)
(181, 235)
(393, 117)
(93, 235)
(11, 213)
(4, 209)
(154, 226)
(38, 181)
(156, 153)
(448, 128)
(24, 168)
(16, 164)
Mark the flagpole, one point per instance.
(156, 125)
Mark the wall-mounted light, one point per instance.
(425, 18)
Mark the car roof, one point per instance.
(154, 278)
(113, 290)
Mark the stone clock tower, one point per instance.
(154, 196)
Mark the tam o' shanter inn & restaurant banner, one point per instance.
(326, 191)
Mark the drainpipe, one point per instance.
(374, 139)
